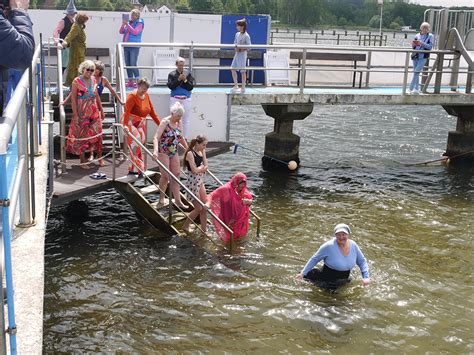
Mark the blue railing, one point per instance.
(19, 138)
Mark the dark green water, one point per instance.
(112, 283)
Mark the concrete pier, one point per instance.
(461, 141)
(282, 143)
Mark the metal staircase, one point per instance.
(142, 194)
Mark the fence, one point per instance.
(20, 126)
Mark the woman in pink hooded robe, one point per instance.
(231, 203)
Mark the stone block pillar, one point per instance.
(461, 141)
(282, 144)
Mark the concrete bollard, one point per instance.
(282, 144)
(461, 141)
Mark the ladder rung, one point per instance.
(150, 189)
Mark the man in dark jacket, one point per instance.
(16, 42)
(181, 83)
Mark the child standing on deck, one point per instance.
(239, 62)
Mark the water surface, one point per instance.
(113, 283)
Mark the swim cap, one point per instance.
(341, 227)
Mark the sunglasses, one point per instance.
(90, 70)
(243, 182)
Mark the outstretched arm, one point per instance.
(362, 263)
(112, 91)
(321, 254)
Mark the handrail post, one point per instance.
(25, 209)
(50, 124)
(33, 142)
(114, 131)
(231, 242)
(367, 74)
(62, 114)
(303, 71)
(439, 73)
(405, 73)
(32, 109)
(170, 203)
(7, 237)
(191, 58)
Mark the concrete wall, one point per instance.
(102, 30)
(207, 114)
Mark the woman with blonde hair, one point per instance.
(76, 40)
(165, 149)
(132, 32)
(85, 129)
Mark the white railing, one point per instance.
(171, 177)
(23, 112)
(306, 65)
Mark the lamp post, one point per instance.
(380, 2)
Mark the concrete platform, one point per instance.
(77, 182)
(28, 264)
(258, 95)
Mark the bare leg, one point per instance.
(234, 77)
(163, 183)
(176, 170)
(194, 213)
(244, 80)
(100, 160)
(82, 159)
(203, 213)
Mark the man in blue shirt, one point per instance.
(181, 83)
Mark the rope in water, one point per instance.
(443, 159)
(255, 152)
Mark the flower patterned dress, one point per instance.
(85, 134)
(169, 141)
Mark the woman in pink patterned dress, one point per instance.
(85, 129)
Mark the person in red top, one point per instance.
(137, 107)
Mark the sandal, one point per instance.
(98, 176)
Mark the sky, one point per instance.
(445, 3)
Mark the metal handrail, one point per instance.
(277, 46)
(453, 41)
(21, 111)
(304, 68)
(216, 179)
(11, 112)
(62, 113)
(178, 181)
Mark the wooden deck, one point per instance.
(77, 183)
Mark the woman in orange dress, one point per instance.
(137, 107)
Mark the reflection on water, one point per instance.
(113, 283)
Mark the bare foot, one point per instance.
(101, 162)
(85, 167)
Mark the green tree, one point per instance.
(200, 5)
(374, 21)
(123, 5)
(232, 7)
(182, 5)
(394, 26)
(217, 7)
